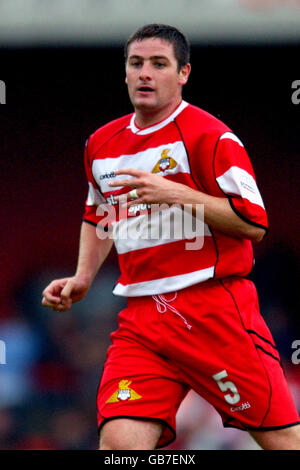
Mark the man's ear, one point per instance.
(184, 74)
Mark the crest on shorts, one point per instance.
(165, 162)
(124, 393)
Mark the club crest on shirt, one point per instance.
(165, 162)
(124, 393)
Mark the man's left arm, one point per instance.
(218, 212)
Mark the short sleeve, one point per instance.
(94, 199)
(235, 177)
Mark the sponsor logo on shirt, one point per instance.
(124, 393)
(165, 162)
(111, 200)
(139, 208)
(132, 210)
(242, 407)
(107, 176)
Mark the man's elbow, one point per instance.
(256, 234)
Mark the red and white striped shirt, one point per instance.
(191, 147)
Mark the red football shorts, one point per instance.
(209, 337)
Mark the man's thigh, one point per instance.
(143, 389)
(130, 434)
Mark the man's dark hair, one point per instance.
(167, 33)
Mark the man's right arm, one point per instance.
(61, 293)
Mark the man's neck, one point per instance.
(145, 118)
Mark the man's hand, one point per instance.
(61, 293)
(151, 189)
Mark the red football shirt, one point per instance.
(157, 251)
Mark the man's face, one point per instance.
(152, 76)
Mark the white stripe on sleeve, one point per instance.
(239, 182)
(231, 136)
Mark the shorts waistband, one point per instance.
(194, 287)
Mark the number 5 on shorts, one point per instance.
(224, 386)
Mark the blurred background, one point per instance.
(62, 64)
